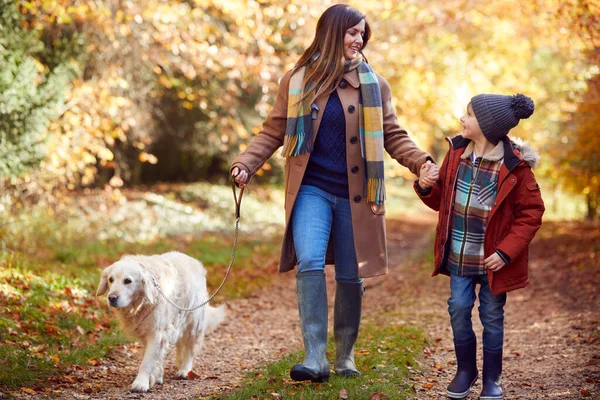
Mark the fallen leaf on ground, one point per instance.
(192, 375)
(343, 394)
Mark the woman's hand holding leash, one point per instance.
(240, 176)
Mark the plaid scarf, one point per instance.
(299, 135)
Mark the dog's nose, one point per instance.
(113, 299)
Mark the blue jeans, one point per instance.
(491, 311)
(317, 215)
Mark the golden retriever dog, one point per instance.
(146, 316)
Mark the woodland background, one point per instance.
(117, 93)
(119, 120)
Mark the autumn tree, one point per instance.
(173, 90)
(580, 159)
(33, 78)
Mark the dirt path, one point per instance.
(552, 327)
(552, 337)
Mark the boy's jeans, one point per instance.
(491, 311)
(316, 215)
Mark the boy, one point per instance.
(490, 208)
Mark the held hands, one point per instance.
(428, 175)
(494, 263)
(240, 176)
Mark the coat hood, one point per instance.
(528, 153)
(525, 151)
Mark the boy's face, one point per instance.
(471, 129)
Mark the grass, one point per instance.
(47, 322)
(50, 263)
(50, 300)
(384, 354)
(50, 318)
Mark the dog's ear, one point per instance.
(150, 291)
(103, 284)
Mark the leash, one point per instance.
(238, 203)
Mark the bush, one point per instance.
(30, 91)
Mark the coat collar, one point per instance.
(458, 142)
(496, 154)
(511, 159)
(352, 78)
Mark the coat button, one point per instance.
(357, 199)
(512, 180)
(495, 204)
(354, 170)
(353, 139)
(343, 84)
(351, 109)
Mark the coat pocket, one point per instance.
(488, 190)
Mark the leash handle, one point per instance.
(238, 200)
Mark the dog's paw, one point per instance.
(181, 375)
(140, 385)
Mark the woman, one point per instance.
(334, 117)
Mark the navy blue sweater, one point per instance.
(327, 167)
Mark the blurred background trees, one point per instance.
(122, 92)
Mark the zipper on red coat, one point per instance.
(466, 223)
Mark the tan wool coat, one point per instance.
(368, 220)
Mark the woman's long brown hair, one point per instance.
(324, 58)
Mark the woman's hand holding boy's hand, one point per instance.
(240, 176)
(494, 262)
(428, 175)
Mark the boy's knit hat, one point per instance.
(498, 114)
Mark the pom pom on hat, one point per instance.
(522, 105)
(498, 114)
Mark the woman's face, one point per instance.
(353, 40)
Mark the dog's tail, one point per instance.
(214, 316)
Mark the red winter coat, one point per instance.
(513, 221)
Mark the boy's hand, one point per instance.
(494, 262)
(428, 175)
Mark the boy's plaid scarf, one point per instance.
(299, 135)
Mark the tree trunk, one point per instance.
(592, 206)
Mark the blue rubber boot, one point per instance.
(312, 305)
(492, 375)
(346, 321)
(466, 371)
